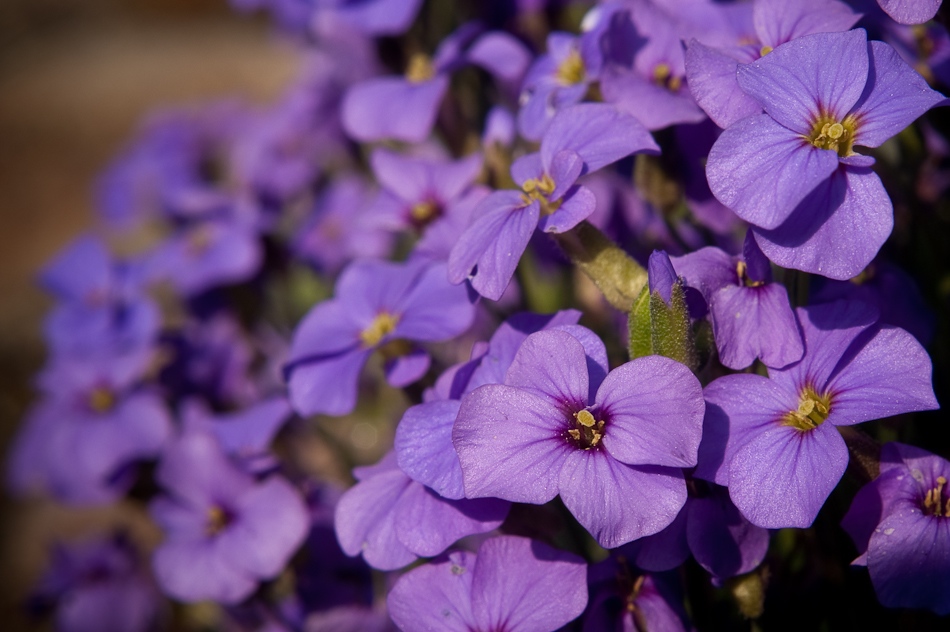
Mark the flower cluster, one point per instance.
(578, 294)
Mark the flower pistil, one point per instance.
(813, 410)
(828, 133)
(587, 431)
(934, 503)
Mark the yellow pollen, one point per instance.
(571, 71)
(661, 72)
(217, 520)
(813, 410)
(539, 187)
(424, 212)
(585, 419)
(101, 399)
(838, 136)
(742, 271)
(765, 50)
(663, 76)
(382, 326)
(934, 504)
(588, 432)
(420, 68)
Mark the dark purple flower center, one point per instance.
(586, 430)
(101, 399)
(217, 520)
(936, 503)
(813, 410)
(829, 133)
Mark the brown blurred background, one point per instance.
(76, 76)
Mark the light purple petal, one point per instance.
(381, 17)
(551, 364)
(721, 539)
(427, 524)
(707, 270)
(795, 83)
(599, 133)
(194, 570)
(618, 503)
(329, 328)
(526, 168)
(711, 75)
(910, 11)
(494, 243)
(595, 354)
(891, 374)
(436, 596)
(423, 446)
(407, 368)
(895, 95)
(654, 106)
(326, 386)
(665, 550)
(780, 21)
(523, 585)
(392, 108)
(654, 409)
(195, 470)
(755, 322)
(502, 55)
(251, 431)
(434, 309)
(762, 170)
(782, 476)
(509, 444)
(566, 166)
(409, 179)
(575, 207)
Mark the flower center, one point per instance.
(663, 76)
(382, 326)
(539, 189)
(420, 68)
(827, 133)
(587, 430)
(422, 213)
(934, 502)
(765, 50)
(217, 520)
(813, 410)
(742, 270)
(101, 399)
(571, 71)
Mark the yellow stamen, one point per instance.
(743, 270)
(101, 399)
(838, 136)
(663, 76)
(813, 410)
(584, 418)
(571, 71)
(424, 212)
(420, 68)
(217, 520)
(934, 504)
(588, 432)
(382, 326)
(765, 50)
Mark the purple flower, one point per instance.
(792, 171)
(580, 140)
(98, 584)
(224, 531)
(625, 599)
(376, 303)
(751, 316)
(513, 584)
(900, 523)
(390, 519)
(776, 437)
(610, 446)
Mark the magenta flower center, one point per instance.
(935, 504)
(813, 410)
(838, 136)
(586, 431)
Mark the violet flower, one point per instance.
(224, 531)
(580, 140)
(774, 442)
(376, 303)
(610, 446)
(900, 523)
(792, 171)
(751, 316)
(624, 599)
(512, 584)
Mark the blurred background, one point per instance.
(76, 78)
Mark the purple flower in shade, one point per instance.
(512, 584)
(626, 600)
(370, 17)
(580, 140)
(94, 423)
(773, 441)
(792, 172)
(611, 447)
(900, 523)
(98, 584)
(417, 192)
(711, 72)
(751, 316)
(405, 108)
(376, 303)
(711, 528)
(910, 11)
(558, 79)
(340, 227)
(224, 531)
(390, 519)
